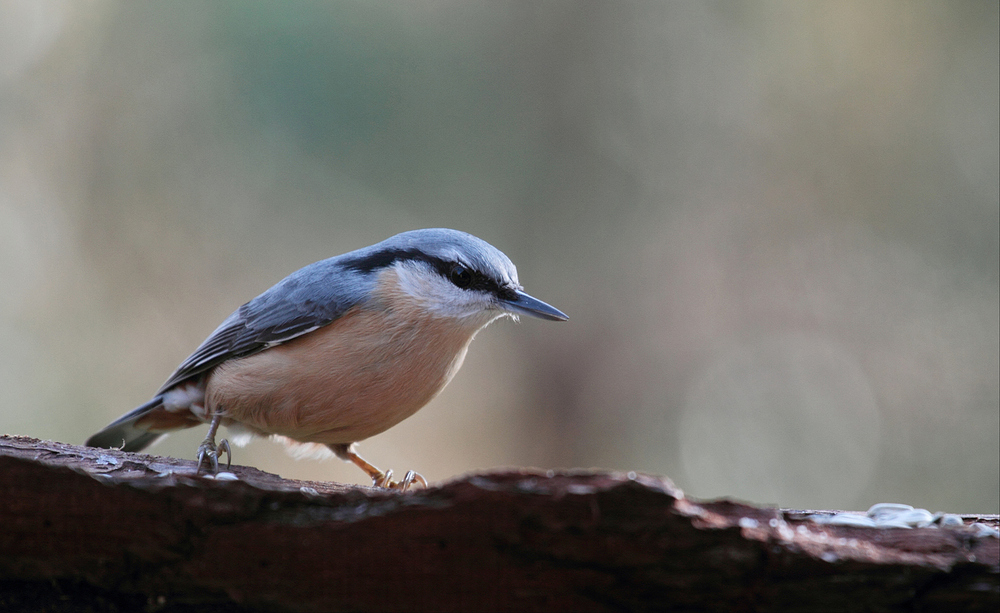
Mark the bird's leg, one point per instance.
(208, 450)
(379, 478)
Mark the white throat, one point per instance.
(440, 297)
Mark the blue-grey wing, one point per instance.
(308, 299)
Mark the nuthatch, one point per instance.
(338, 351)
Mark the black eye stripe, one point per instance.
(383, 259)
(464, 277)
(477, 280)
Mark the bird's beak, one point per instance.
(526, 305)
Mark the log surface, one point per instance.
(84, 529)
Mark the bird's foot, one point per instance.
(384, 479)
(346, 452)
(208, 455)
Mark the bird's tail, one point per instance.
(125, 433)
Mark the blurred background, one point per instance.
(774, 225)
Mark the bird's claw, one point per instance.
(384, 479)
(208, 451)
(346, 452)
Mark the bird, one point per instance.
(338, 351)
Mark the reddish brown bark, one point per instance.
(86, 529)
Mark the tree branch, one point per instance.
(87, 529)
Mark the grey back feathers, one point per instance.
(318, 294)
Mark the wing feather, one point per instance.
(306, 300)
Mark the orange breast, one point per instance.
(360, 375)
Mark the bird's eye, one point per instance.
(460, 276)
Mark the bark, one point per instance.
(83, 529)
